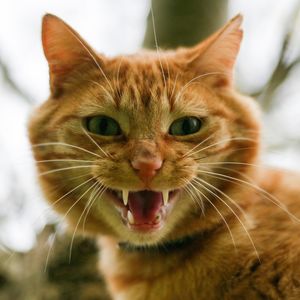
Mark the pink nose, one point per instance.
(147, 168)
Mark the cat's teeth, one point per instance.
(130, 217)
(125, 196)
(165, 194)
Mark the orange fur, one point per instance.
(240, 218)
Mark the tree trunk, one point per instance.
(183, 23)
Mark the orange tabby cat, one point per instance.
(158, 155)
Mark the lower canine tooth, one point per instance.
(130, 217)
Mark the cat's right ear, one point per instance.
(66, 53)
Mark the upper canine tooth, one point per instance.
(125, 196)
(165, 194)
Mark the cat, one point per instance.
(158, 156)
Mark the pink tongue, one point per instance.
(144, 205)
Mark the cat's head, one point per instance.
(138, 146)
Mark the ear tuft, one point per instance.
(65, 51)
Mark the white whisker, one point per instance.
(55, 234)
(77, 201)
(104, 89)
(67, 145)
(223, 141)
(267, 195)
(92, 56)
(174, 86)
(219, 213)
(64, 169)
(193, 81)
(97, 145)
(98, 194)
(198, 145)
(235, 214)
(95, 187)
(193, 196)
(63, 160)
(157, 48)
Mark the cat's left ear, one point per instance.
(217, 54)
(67, 53)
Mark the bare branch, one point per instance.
(13, 85)
(282, 70)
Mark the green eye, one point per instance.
(103, 125)
(185, 126)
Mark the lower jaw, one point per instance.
(146, 228)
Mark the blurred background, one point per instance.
(268, 68)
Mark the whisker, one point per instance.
(235, 214)
(201, 143)
(242, 174)
(193, 196)
(230, 163)
(67, 145)
(75, 203)
(168, 70)
(63, 160)
(267, 195)
(222, 141)
(157, 48)
(195, 78)
(98, 194)
(219, 213)
(92, 56)
(97, 145)
(71, 191)
(118, 79)
(52, 240)
(226, 196)
(64, 169)
(95, 187)
(55, 234)
(174, 86)
(50, 206)
(104, 89)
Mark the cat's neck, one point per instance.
(167, 246)
(129, 269)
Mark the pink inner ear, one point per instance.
(64, 49)
(61, 44)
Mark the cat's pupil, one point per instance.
(103, 125)
(185, 126)
(189, 125)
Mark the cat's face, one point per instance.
(127, 146)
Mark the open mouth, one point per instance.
(144, 210)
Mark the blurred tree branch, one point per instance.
(25, 276)
(12, 84)
(283, 68)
